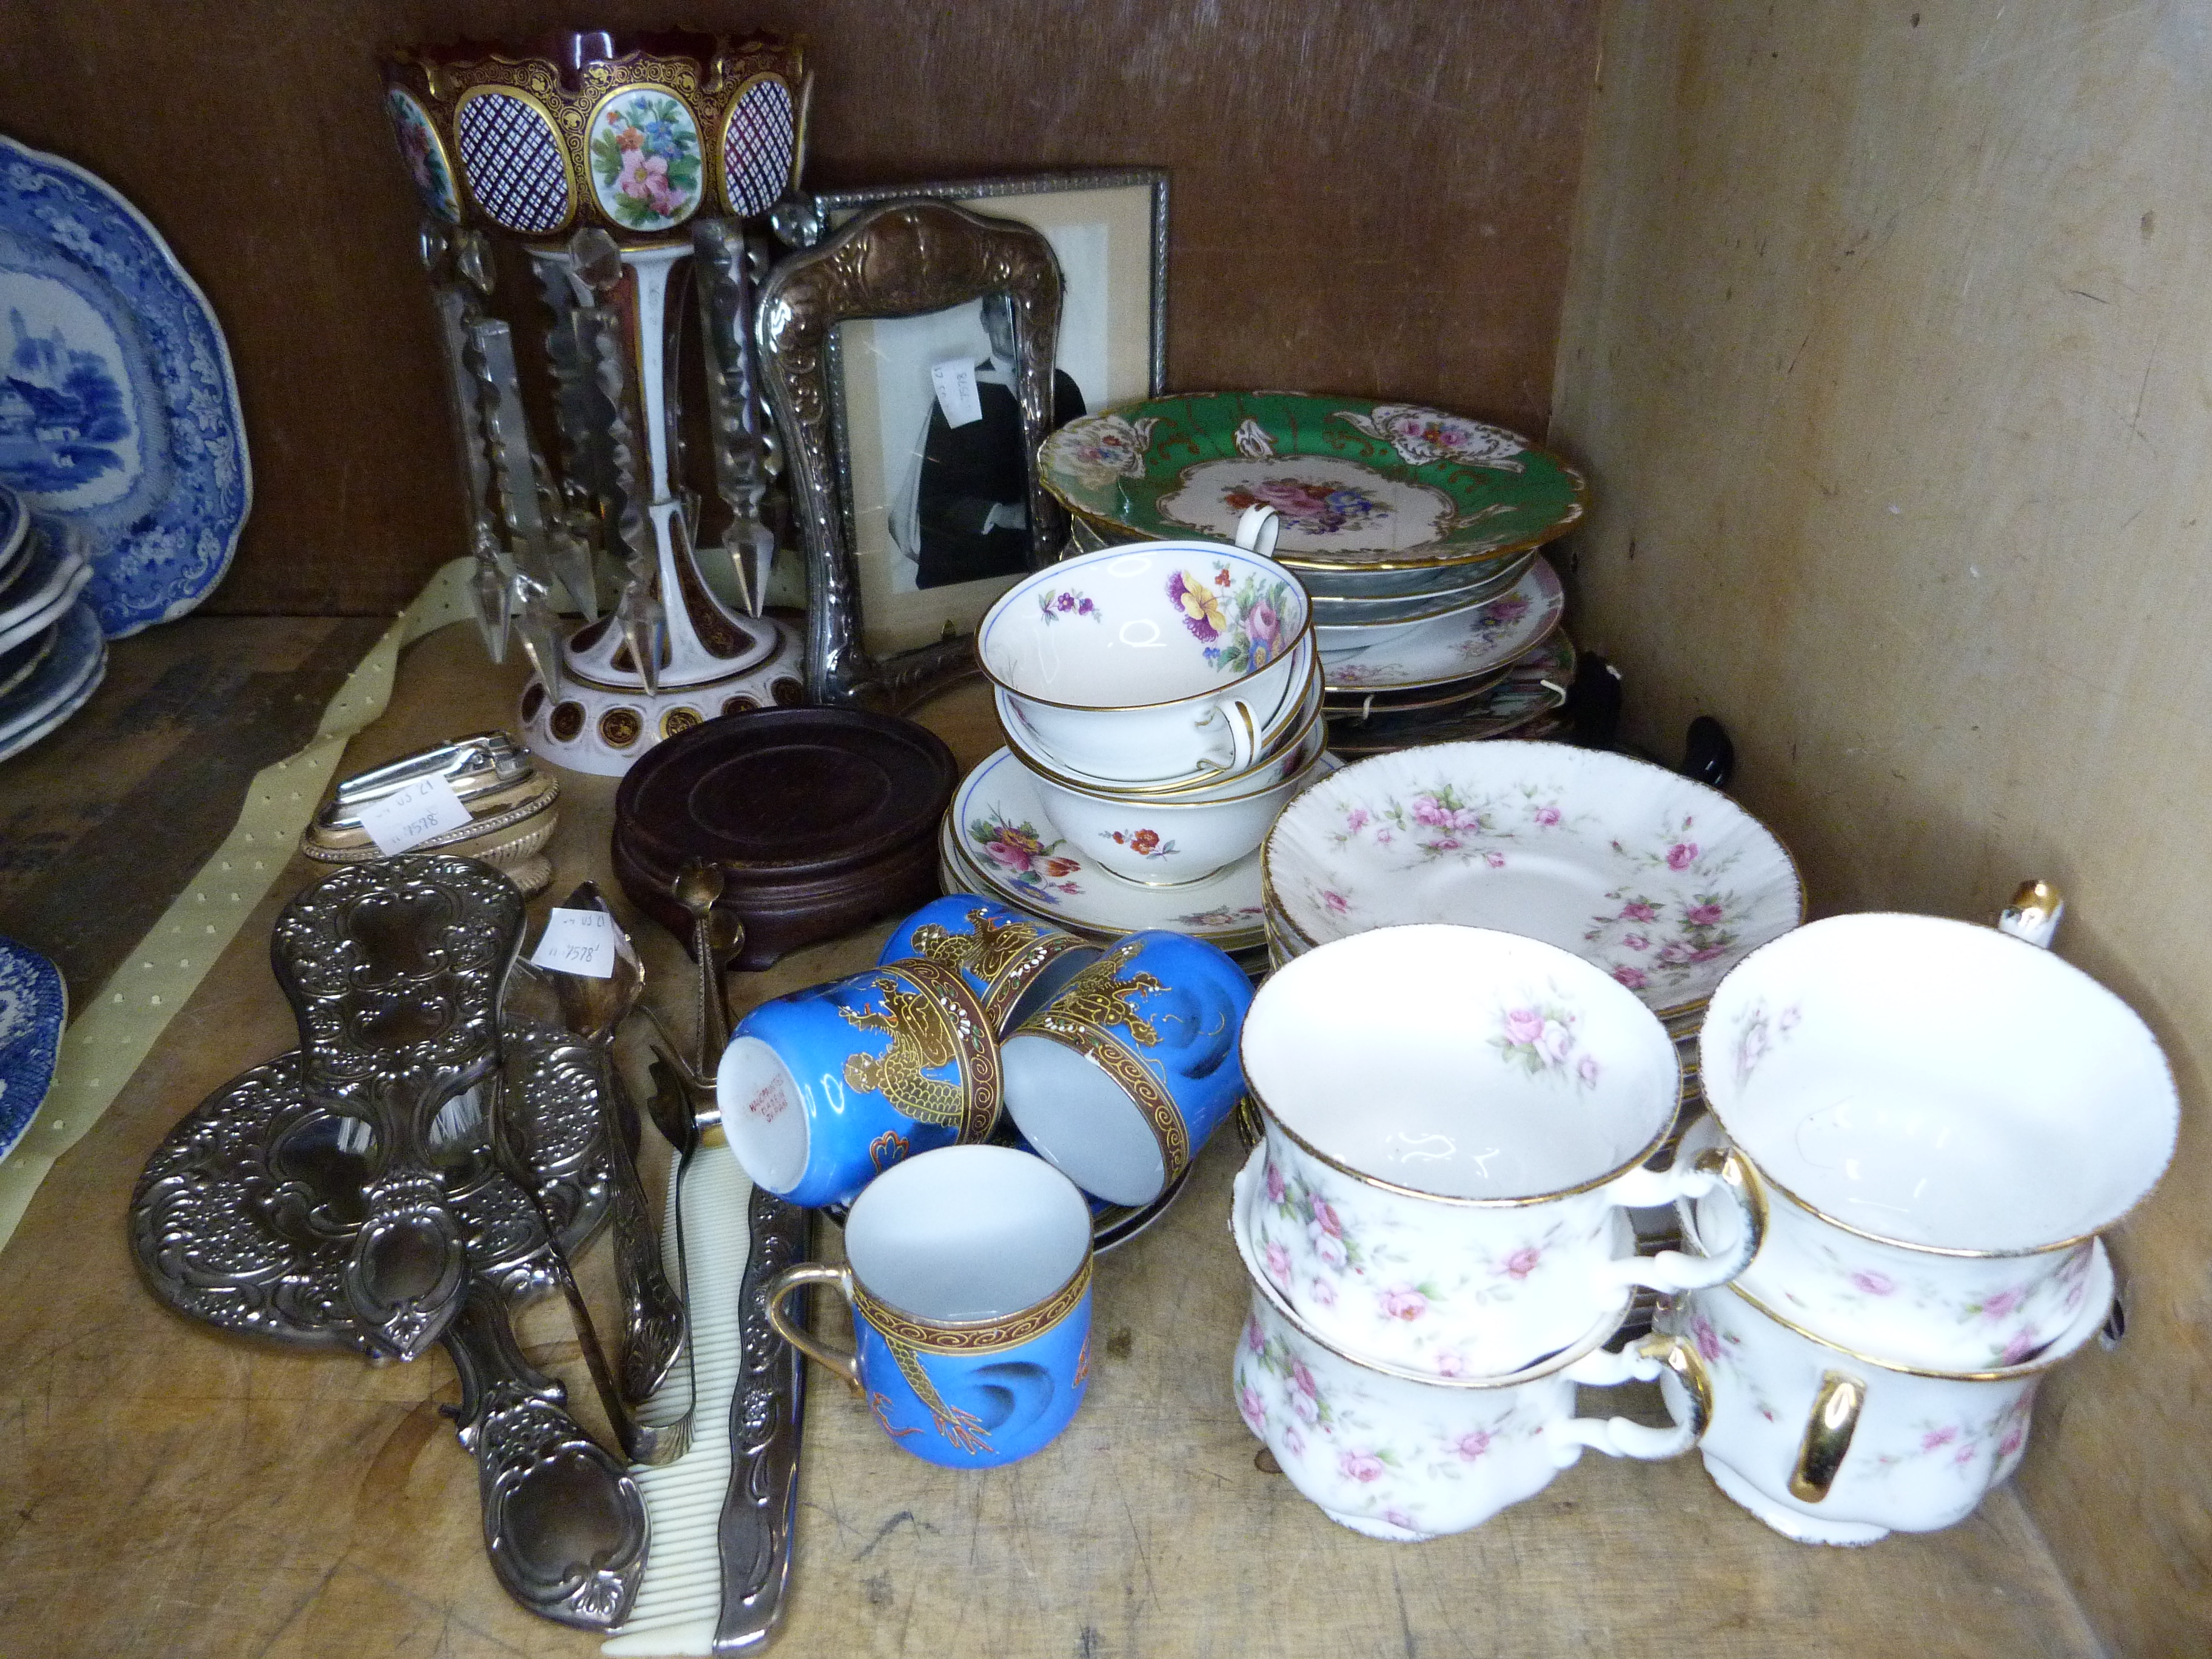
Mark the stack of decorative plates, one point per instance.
(821, 820)
(53, 652)
(1415, 532)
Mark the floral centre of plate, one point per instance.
(1327, 504)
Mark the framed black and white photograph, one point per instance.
(932, 473)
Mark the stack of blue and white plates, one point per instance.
(52, 651)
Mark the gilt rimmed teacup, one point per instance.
(1404, 1458)
(1945, 1117)
(1168, 841)
(1454, 1119)
(1828, 1445)
(1013, 962)
(967, 1269)
(823, 1089)
(1121, 1079)
(1153, 662)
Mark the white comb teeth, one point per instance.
(680, 1597)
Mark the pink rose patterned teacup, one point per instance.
(1454, 1120)
(1831, 1446)
(1403, 1457)
(1944, 1118)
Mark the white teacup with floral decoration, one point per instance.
(1152, 662)
(1404, 1458)
(1454, 1120)
(1830, 1446)
(1941, 1309)
(1943, 1118)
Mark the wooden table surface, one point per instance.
(165, 1491)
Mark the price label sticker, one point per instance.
(411, 815)
(955, 391)
(578, 942)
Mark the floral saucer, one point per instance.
(1523, 703)
(1360, 485)
(1457, 646)
(996, 831)
(33, 1008)
(1661, 882)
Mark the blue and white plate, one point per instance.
(33, 1008)
(119, 412)
(49, 582)
(19, 661)
(15, 529)
(70, 675)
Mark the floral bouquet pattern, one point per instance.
(1240, 621)
(645, 160)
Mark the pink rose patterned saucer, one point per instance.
(1663, 882)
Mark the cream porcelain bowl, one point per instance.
(1291, 746)
(1166, 841)
(1152, 662)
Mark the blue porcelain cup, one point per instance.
(1119, 1079)
(969, 1273)
(823, 1089)
(1014, 963)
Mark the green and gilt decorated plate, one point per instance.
(1360, 486)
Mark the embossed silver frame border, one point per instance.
(957, 190)
(903, 258)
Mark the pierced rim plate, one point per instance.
(1360, 485)
(33, 1009)
(136, 435)
(993, 833)
(1661, 882)
(1459, 646)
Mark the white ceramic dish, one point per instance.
(1937, 1084)
(997, 833)
(1460, 645)
(1290, 749)
(1153, 662)
(1829, 1446)
(1664, 883)
(1166, 843)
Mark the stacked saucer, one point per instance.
(52, 651)
(820, 820)
(1413, 531)
(1161, 703)
(1661, 882)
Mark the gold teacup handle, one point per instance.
(839, 1279)
(1728, 1172)
(1828, 1432)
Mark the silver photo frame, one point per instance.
(1108, 229)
